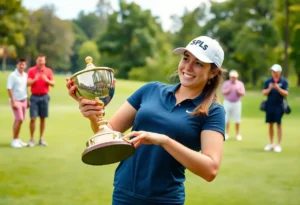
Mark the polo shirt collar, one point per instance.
(173, 88)
(196, 101)
(17, 72)
(42, 68)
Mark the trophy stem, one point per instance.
(101, 122)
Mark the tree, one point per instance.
(190, 25)
(12, 25)
(288, 23)
(88, 48)
(127, 42)
(80, 38)
(50, 36)
(103, 9)
(295, 37)
(89, 23)
(164, 63)
(248, 35)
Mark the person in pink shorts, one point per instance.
(17, 91)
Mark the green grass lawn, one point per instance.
(55, 175)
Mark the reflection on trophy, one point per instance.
(106, 146)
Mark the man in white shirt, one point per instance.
(17, 91)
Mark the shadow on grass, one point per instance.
(253, 149)
(4, 145)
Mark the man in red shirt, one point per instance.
(39, 78)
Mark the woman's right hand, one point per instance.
(72, 89)
(90, 109)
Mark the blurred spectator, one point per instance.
(17, 91)
(39, 78)
(233, 90)
(276, 88)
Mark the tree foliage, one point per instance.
(295, 36)
(127, 42)
(130, 40)
(13, 21)
(49, 35)
(79, 38)
(248, 35)
(88, 48)
(89, 23)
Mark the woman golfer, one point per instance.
(174, 127)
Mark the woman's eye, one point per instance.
(199, 64)
(185, 59)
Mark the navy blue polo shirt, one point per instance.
(274, 98)
(152, 174)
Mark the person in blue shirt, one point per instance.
(276, 88)
(174, 127)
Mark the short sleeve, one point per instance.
(285, 85)
(136, 98)
(50, 74)
(225, 87)
(243, 90)
(30, 74)
(10, 82)
(216, 119)
(266, 84)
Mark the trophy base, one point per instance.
(106, 148)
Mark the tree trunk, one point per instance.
(298, 79)
(28, 60)
(286, 40)
(4, 57)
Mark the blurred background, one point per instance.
(132, 38)
(136, 39)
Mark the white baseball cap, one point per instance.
(205, 49)
(276, 68)
(233, 73)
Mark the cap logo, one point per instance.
(200, 43)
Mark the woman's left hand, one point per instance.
(142, 137)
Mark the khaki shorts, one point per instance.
(233, 111)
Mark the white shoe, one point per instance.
(269, 147)
(239, 137)
(226, 137)
(15, 143)
(31, 143)
(277, 148)
(24, 144)
(43, 143)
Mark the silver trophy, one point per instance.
(106, 146)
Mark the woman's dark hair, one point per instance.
(210, 90)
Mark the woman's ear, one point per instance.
(214, 72)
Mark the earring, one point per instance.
(209, 82)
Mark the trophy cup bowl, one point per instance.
(106, 146)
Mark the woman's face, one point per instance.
(192, 72)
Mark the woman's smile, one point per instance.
(188, 76)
